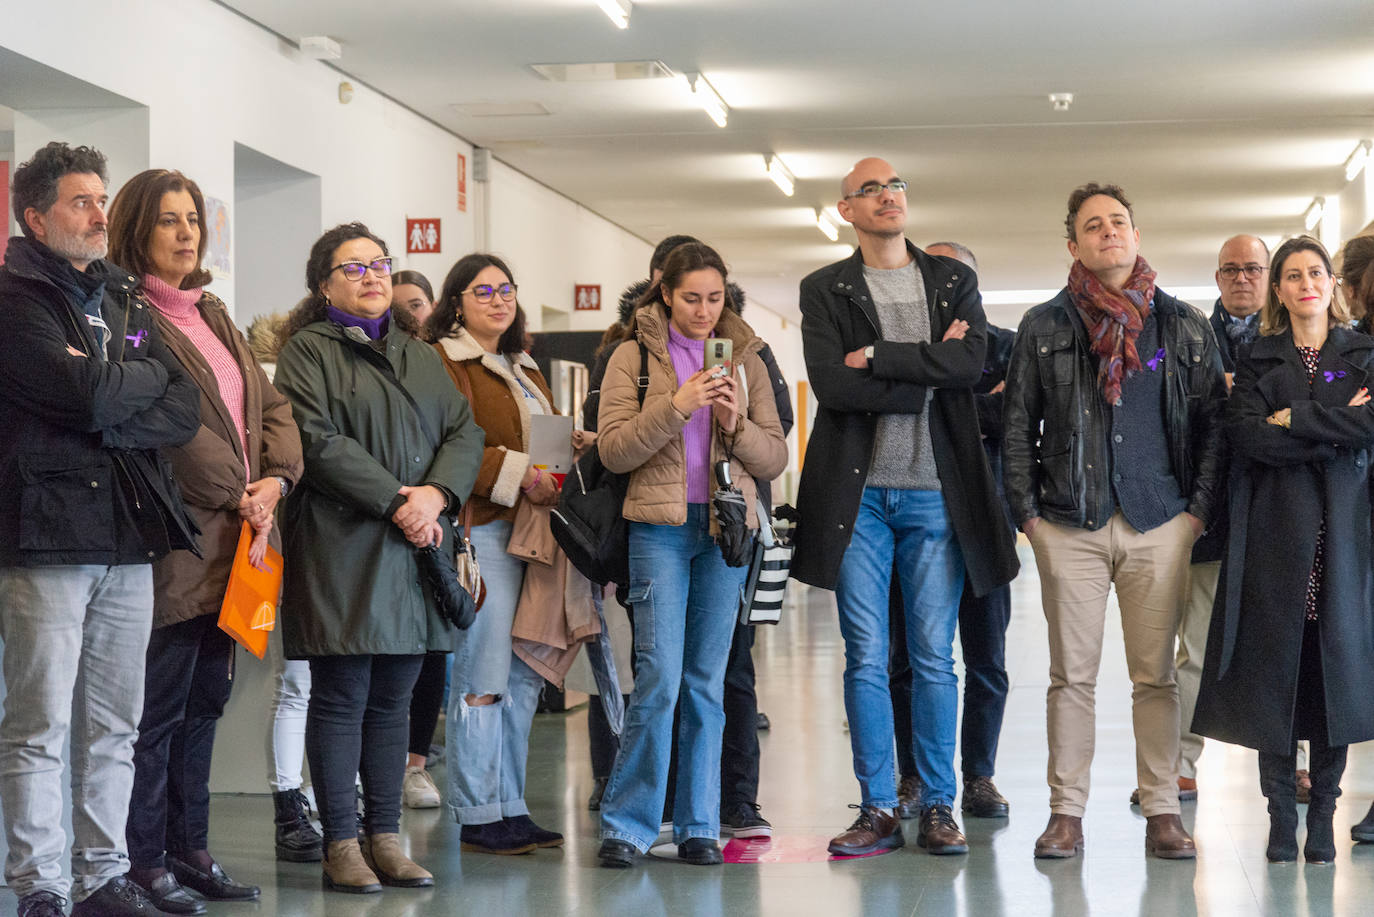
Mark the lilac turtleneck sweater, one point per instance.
(687, 356)
(179, 307)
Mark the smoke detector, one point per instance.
(1061, 100)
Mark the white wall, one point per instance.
(209, 78)
(552, 243)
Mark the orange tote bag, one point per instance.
(249, 611)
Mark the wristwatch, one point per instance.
(285, 484)
(868, 353)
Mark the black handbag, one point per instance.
(453, 602)
(589, 520)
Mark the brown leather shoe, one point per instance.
(345, 871)
(1061, 839)
(872, 831)
(1303, 781)
(939, 832)
(1166, 838)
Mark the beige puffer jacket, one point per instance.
(648, 442)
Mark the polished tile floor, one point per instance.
(807, 783)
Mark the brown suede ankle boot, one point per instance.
(345, 871)
(383, 853)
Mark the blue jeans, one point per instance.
(685, 601)
(909, 530)
(488, 745)
(75, 638)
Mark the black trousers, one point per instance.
(358, 724)
(425, 702)
(983, 641)
(739, 749)
(186, 683)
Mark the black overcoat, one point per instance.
(1284, 482)
(838, 317)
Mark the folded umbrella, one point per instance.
(602, 661)
(732, 515)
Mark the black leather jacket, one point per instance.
(82, 480)
(1056, 460)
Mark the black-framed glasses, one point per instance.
(354, 270)
(1231, 271)
(483, 292)
(875, 188)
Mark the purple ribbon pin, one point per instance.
(142, 335)
(1153, 362)
(1333, 376)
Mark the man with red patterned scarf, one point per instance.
(1112, 458)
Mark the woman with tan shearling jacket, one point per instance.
(684, 596)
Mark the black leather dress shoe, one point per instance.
(215, 884)
(616, 854)
(166, 892)
(700, 851)
(41, 904)
(117, 898)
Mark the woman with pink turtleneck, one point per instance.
(244, 458)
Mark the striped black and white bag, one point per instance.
(766, 585)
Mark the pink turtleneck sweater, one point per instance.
(179, 307)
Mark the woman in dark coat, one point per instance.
(245, 455)
(385, 467)
(1288, 654)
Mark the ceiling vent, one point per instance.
(515, 109)
(606, 70)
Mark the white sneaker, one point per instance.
(418, 790)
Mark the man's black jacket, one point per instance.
(1055, 455)
(81, 480)
(838, 317)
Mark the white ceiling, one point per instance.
(1217, 116)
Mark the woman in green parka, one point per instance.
(383, 474)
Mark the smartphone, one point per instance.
(719, 353)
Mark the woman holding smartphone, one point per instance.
(684, 596)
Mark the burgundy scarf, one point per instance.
(1113, 319)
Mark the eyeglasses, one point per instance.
(483, 292)
(354, 270)
(873, 189)
(1231, 271)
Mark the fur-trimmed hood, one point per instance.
(264, 336)
(630, 297)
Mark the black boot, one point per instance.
(1328, 766)
(1279, 787)
(297, 839)
(1363, 833)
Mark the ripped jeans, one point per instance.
(487, 745)
(685, 602)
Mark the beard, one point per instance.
(86, 247)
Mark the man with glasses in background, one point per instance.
(896, 478)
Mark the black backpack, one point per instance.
(589, 522)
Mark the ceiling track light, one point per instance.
(707, 97)
(827, 226)
(1313, 216)
(618, 11)
(1356, 163)
(780, 174)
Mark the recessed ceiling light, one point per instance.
(618, 11)
(827, 226)
(500, 109)
(1356, 163)
(1313, 216)
(320, 47)
(780, 174)
(1061, 100)
(603, 70)
(707, 97)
